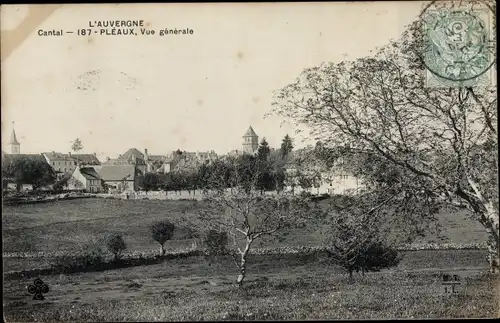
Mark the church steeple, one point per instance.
(250, 141)
(15, 146)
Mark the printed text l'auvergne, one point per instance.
(116, 23)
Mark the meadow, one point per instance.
(67, 225)
(278, 287)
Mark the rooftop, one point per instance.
(89, 173)
(117, 172)
(250, 133)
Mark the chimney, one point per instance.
(69, 154)
(145, 152)
(95, 155)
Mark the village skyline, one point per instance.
(13, 136)
(196, 92)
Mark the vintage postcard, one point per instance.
(249, 161)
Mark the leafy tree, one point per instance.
(286, 146)
(279, 178)
(266, 180)
(440, 143)
(115, 244)
(304, 181)
(245, 214)
(277, 168)
(28, 170)
(150, 181)
(162, 231)
(77, 145)
(264, 150)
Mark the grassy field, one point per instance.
(68, 225)
(280, 287)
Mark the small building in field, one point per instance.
(86, 179)
(120, 177)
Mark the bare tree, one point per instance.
(236, 207)
(443, 141)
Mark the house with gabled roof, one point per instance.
(86, 179)
(131, 157)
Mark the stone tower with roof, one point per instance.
(15, 146)
(250, 141)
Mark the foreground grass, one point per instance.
(279, 287)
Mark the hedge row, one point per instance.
(407, 247)
(64, 253)
(260, 251)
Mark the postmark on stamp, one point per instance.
(459, 48)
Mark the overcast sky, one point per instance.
(196, 92)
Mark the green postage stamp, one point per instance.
(459, 44)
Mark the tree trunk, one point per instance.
(242, 274)
(243, 263)
(162, 250)
(493, 256)
(490, 221)
(351, 279)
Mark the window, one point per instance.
(64, 169)
(53, 163)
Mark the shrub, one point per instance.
(365, 256)
(377, 256)
(162, 231)
(215, 242)
(359, 243)
(115, 244)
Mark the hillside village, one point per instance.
(85, 172)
